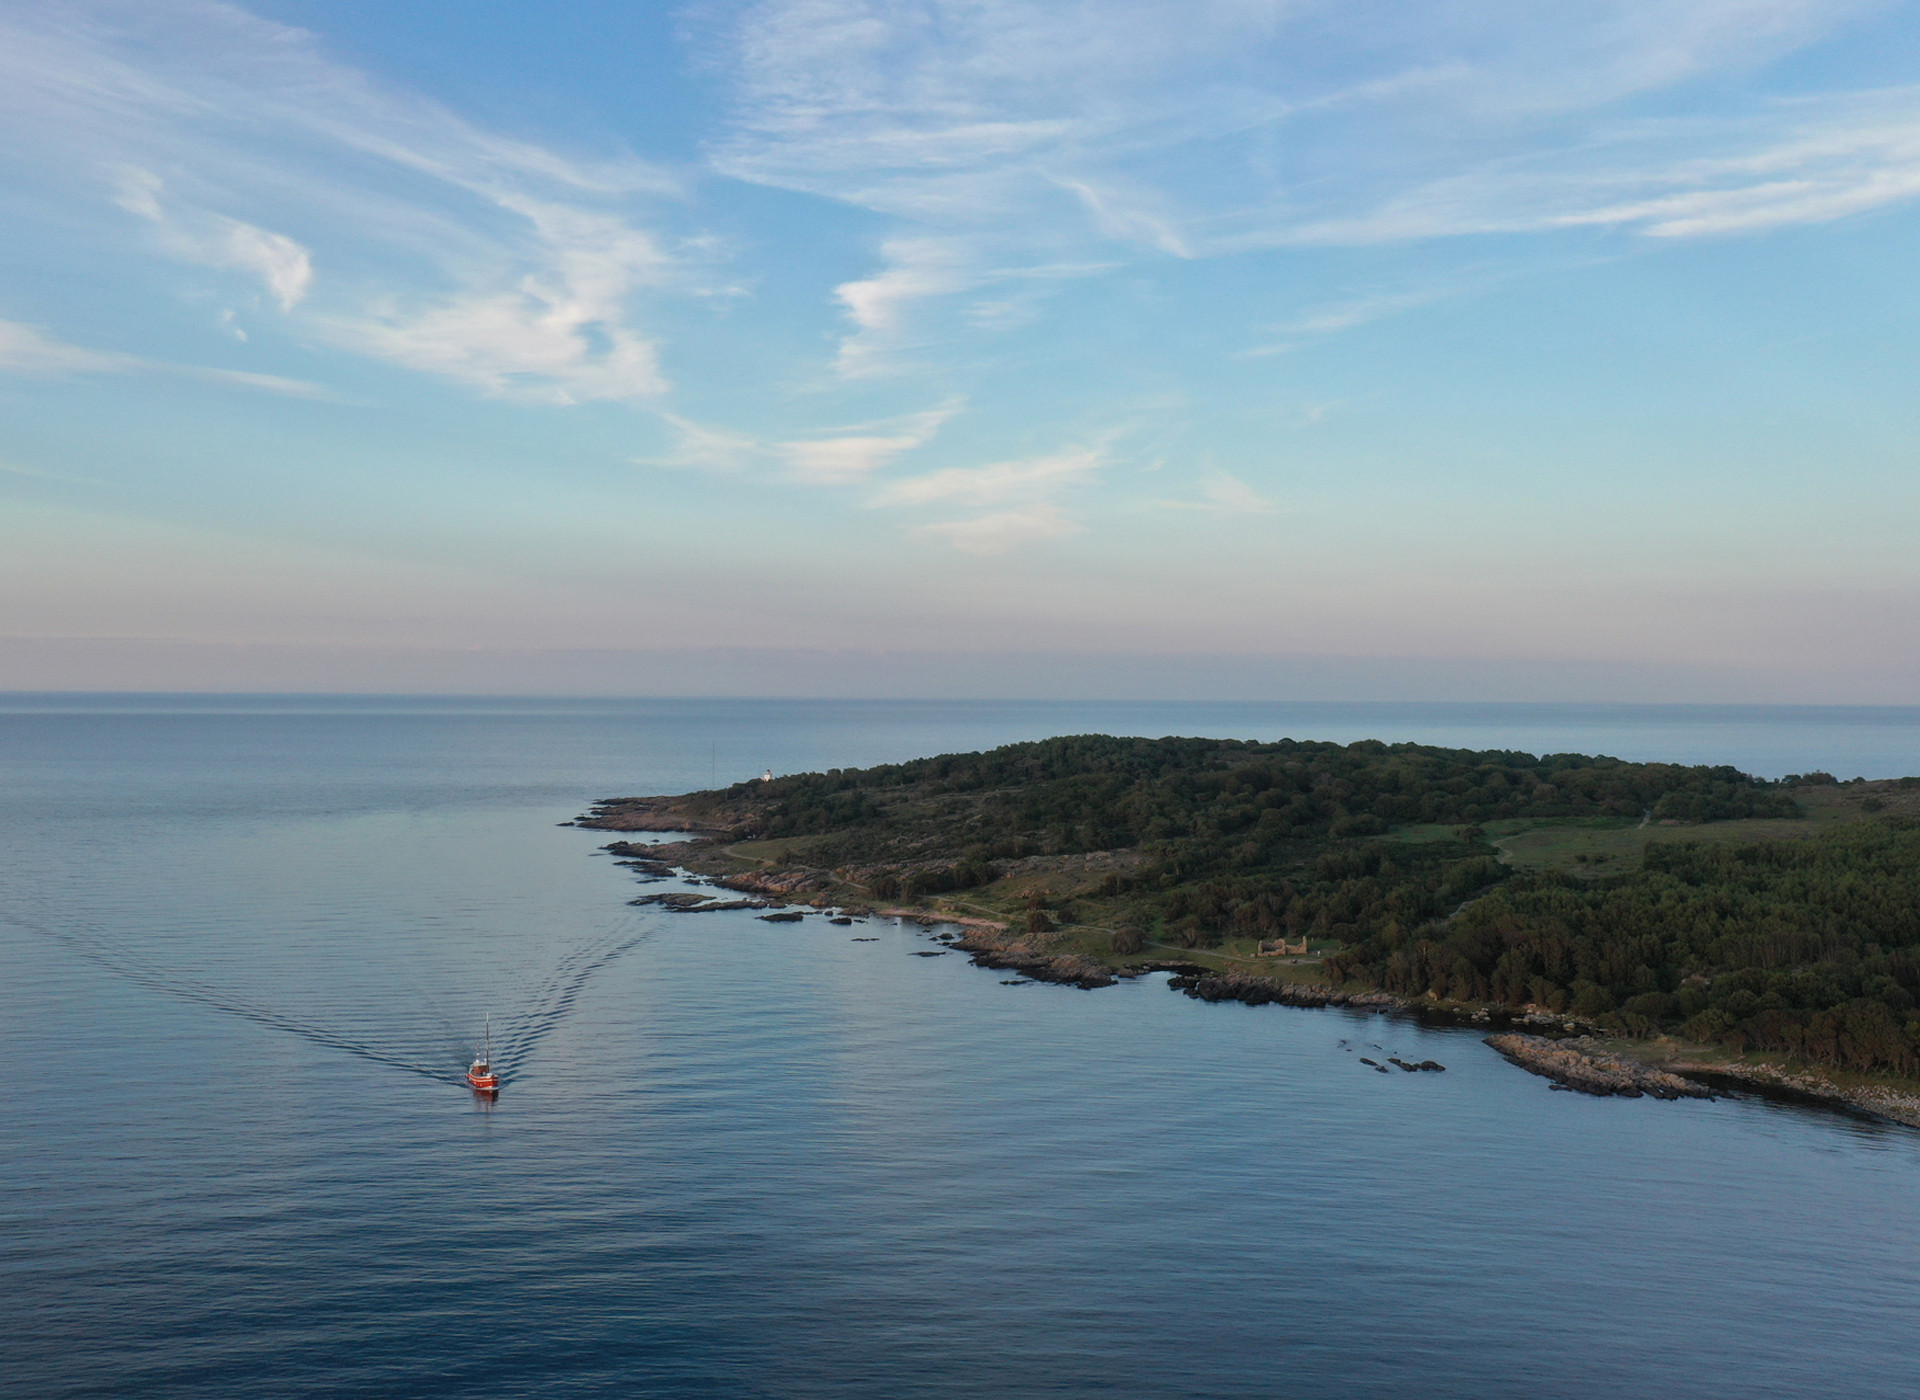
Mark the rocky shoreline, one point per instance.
(1575, 1063)
(1206, 985)
(657, 814)
(1584, 1064)
(1774, 1081)
(1580, 1065)
(994, 946)
(1574, 1060)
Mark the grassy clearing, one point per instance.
(1592, 848)
(1093, 923)
(1589, 851)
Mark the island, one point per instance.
(1628, 928)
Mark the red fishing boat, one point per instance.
(480, 1073)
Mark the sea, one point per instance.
(247, 945)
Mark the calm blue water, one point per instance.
(245, 945)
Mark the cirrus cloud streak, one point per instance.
(371, 219)
(1004, 134)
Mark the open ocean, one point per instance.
(246, 945)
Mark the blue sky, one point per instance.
(1234, 346)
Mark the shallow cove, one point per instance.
(246, 946)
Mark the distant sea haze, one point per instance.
(249, 942)
(896, 673)
(1769, 741)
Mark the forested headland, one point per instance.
(1811, 947)
(1640, 898)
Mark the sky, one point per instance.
(1241, 348)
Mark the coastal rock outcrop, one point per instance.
(786, 882)
(1259, 991)
(664, 853)
(1877, 1100)
(648, 869)
(996, 947)
(687, 902)
(660, 814)
(1581, 1065)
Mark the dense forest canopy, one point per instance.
(1810, 946)
(1094, 792)
(1234, 838)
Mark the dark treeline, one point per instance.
(1810, 947)
(1257, 840)
(1093, 792)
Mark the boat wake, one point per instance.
(555, 999)
(523, 1029)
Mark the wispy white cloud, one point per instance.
(851, 456)
(376, 220)
(1030, 488)
(836, 461)
(1000, 134)
(27, 350)
(1806, 161)
(705, 448)
(1832, 165)
(916, 269)
(839, 457)
(1004, 531)
(196, 235)
(558, 335)
(1224, 494)
(1358, 311)
(1347, 313)
(995, 483)
(1125, 219)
